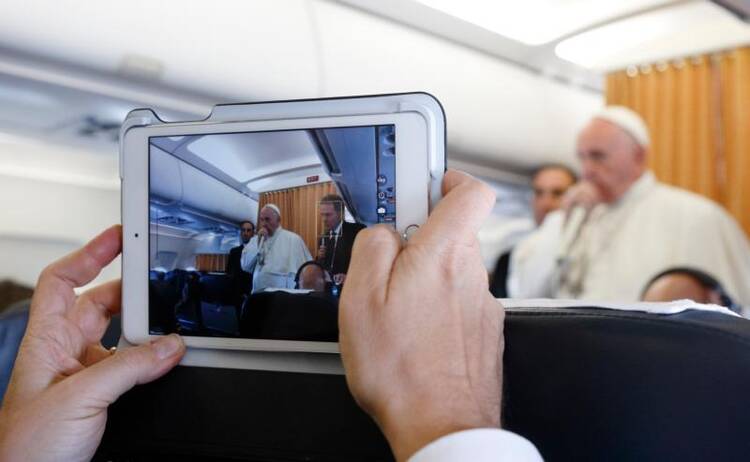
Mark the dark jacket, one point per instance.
(242, 281)
(339, 252)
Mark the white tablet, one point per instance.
(238, 229)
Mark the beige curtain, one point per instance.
(211, 262)
(698, 113)
(299, 210)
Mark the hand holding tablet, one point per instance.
(63, 379)
(421, 335)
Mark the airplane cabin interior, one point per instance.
(615, 137)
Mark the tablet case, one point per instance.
(424, 104)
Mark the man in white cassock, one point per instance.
(274, 254)
(619, 226)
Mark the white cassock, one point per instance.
(277, 261)
(614, 252)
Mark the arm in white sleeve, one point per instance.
(479, 445)
(534, 271)
(249, 255)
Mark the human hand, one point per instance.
(64, 380)
(421, 336)
(339, 278)
(582, 194)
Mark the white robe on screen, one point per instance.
(619, 247)
(276, 262)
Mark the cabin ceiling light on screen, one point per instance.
(535, 22)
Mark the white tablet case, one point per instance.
(424, 104)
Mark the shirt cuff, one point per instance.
(479, 445)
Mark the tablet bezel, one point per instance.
(413, 182)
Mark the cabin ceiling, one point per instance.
(71, 69)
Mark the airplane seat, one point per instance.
(216, 288)
(12, 327)
(154, 275)
(254, 312)
(188, 309)
(312, 317)
(163, 297)
(177, 277)
(13, 322)
(285, 316)
(582, 383)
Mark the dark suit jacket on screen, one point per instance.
(242, 280)
(339, 253)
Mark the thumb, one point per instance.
(108, 379)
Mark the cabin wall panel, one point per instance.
(181, 251)
(42, 221)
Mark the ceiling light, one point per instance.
(680, 30)
(535, 22)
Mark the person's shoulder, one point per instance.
(356, 227)
(699, 206)
(291, 235)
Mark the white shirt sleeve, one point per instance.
(533, 263)
(249, 254)
(479, 445)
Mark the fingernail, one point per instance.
(167, 346)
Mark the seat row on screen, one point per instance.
(205, 304)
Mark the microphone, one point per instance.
(572, 229)
(261, 253)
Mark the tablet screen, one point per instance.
(251, 233)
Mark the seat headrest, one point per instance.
(582, 383)
(598, 384)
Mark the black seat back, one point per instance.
(286, 316)
(592, 384)
(583, 384)
(216, 288)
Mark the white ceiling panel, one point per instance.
(221, 45)
(245, 156)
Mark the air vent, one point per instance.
(172, 220)
(93, 127)
(214, 229)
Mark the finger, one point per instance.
(94, 309)
(96, 353)
(373, 254)
(108, 379)
(75, 270)
(465, 205)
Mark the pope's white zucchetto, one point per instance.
(628, 120)
(274, 208)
